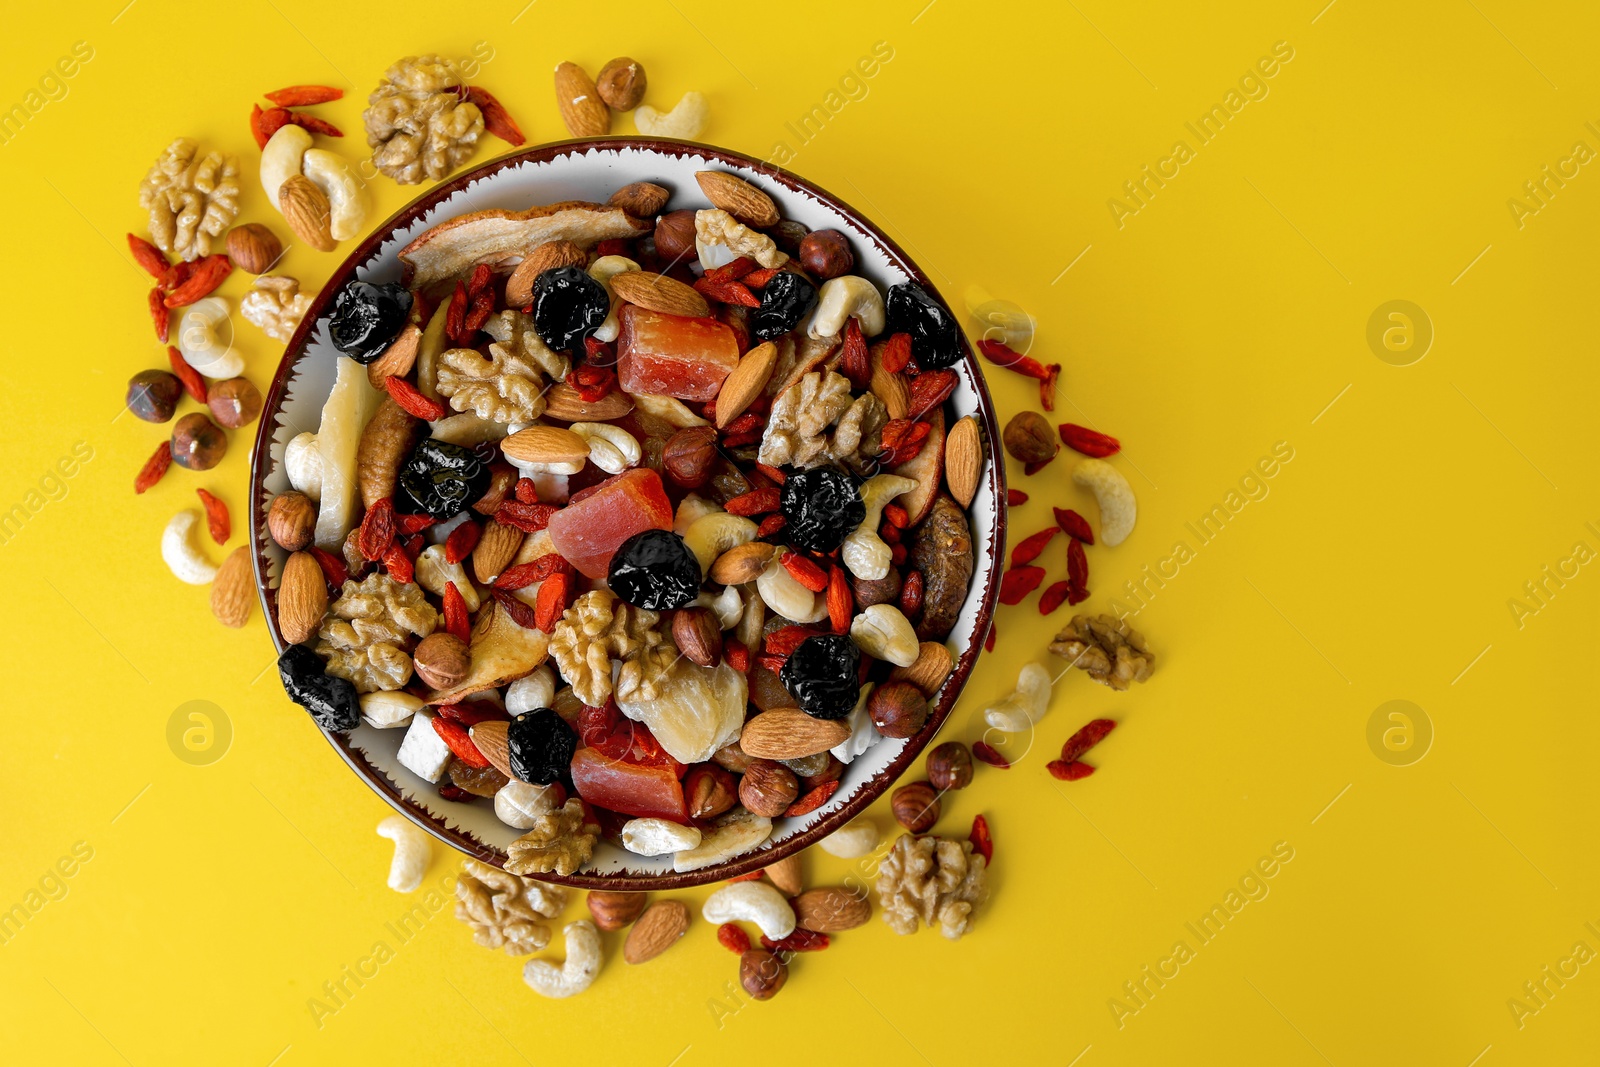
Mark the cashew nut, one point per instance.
(611, 448)
(603, 270)
(520, 805)
(411, 853)
(434, 572)
(657, 837)
(692, 509)
(1024, 705)
(883, 632)
(714, 533)
(1118, 510)
(388, 709)
(854, 839)
(727, 606)
(467, 429)
(733, 835)
(573, 976)
(280, 160)
(863, 734)
(180, 553)
(686, 119)
(201, 341)
(788, 597)
(536, 690)
(669, 409)
(347, 197)
(302, 463)
(755, 902)
(839, 298)
(864, 553)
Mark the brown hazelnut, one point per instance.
(950, 766)
(621, 84)
(897, 709)
(442, 660)
(613, 911)
(689, 456)
(675, 237)
(153, 395)
(826, 254)
(915, 806)
(768, 788)
(731, 757)
(198, 444)
(788, 234)
(1030, 439)
(292, 520)
(762, 973)
(698, 635)
(234, 403)
(885, 590)
(640, 199)
(709, 790)
(253, 248)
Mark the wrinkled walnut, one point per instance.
(275, 304)
(716, 227)
(561, 841)
(504, 910)
(797, 426)
(191, 198)
(599, 627)
(1108, 648)
(935, 879)
(507, 385)
(418, 127)
(364, 633)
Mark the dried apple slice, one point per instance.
(351, 403)
(501, 653)
(459, 244)
(927, 467)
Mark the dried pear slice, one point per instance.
(700, 710)
(457, 245)
(351, 403)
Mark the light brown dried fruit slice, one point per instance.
(657, 292)
(738, 198)
(233, 589)
(457, 245)
(657, 930)
(501, 653)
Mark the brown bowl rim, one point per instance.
(870, 790)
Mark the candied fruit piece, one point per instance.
(674, 356)
(644, 791)
(591, 528)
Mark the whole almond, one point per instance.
(641, 199)
(519, 287)
(963, 459)
(613, 911)
(889, 386)
(496, 548)
(655, 931)
(830, 909)
(657, 292)
(742, 563)
(490, 738)
(302, 597)
(621, 85)
(745, 382)
(305, 207)
(545, 444)
(292, 520)
(253, 248)
(585, 114)
(789, 733)
(233, 589)
(398, 358)
(929, 671)
(738, 198)
(562, 402)
(785, 874)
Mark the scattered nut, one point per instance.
(898, 709)
(786, 875)
(657, 930)
(234, 403)
(197, 442)
(291, 520)
(755, 902)
(1030, 439)
(621, 85)
(613, 911)
(1118, 508)
(276, 304)
(503, 910)
(411, 853)
(762, 973)
(831, 909)
(915, 806)
(686, 119)
(854, 839)
(575, 975)
(233, 589)
(153, 395)
(950, 766)
(1025, 705)
(768, 788)
(179, 553)
(253, 248)
(826, 254)
(934, 880)
(442, 660)
(1112, 652)
(582, 109)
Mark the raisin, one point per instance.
(331, 701)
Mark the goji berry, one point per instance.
(755, 502)
(470, 715)
(398, 564)
(1002, 355)
(841, 601)
(896, 516)
(854, 363)
(804, 571)
(772, 474)
(739, 440)
(496, 119)
(1068, 771)
(897, 353)
(898, 554)
(1030, 469)
(333, 568)
(525, 574)
(1018, 582)
(462, 540)
(1015, 498)
(151, 259)
(209, 273)
(455, 614)
(770, 662)
(217, 520)
(302, 95)
(1074, 525)
(770, 525)
(740, 267)
(154, 467)
(377, 529)
(727, 292)
(1077, 568)
(598, 353)
(802, 940)
(890, 533)
(529, 518)
(1027, 550)
(478, 313)
(407, 525)
(520, 613)
(193, 384)
(812, 800)
(733, 938)
(982, 843)
(411, 401)
(612, 246)
(160, 315)
(176, 275)
(750, 420)
(736, 655)
(263, 124)
(1089, 442)
(312, 124)
(1086, 738)
(1051, 598)
(551, 603)
(255, 126)
(456, 737)
(757, 279)
(986, 753)
(785, 639)
(456, 315)
(752, 876)
(525, 491)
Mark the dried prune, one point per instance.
(568, 305)
(784, 302)
(935, 337)
(540, 745)
(821, 505)
(442, 479)
(367, 317)
(654, 570)
(331, 701)
(822, 676)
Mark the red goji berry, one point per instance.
(525, 491)
(982, 843)
(770, 662)
(1018, 582)
(471, 714)
(1030, 469)
(154, 467)
(176, 275)
(755, 502)
(263, 124)
(151, 259)
(1002, 355)
(312, 124)
(770, 525)
(333, 568)
(802, 940)
(398, 564)
(496, 119)
(772, 474)
(896, 516)
(456, 622)
(812, 800)
(739, 440)
(456, 315)
(302, 95)
(1015, 498)
(159, 315)
(736, 655)
(1077, 568)
(752, 876)
(551, 603)
(1027, 550)
(412, 402)
(854, 362)
(525, 574)
(733, 271)
(612, 246)
(758, 279)
(785, 639)
(529, 518)
(986, 753)
(897, 353)
(377, 529)
(841, 601)
(1051, 598)
(733, 939)
(217, 520)
(209, 273)
(898, 554)
(520, 613)
(193, 384)
(455, 736)
(462, 540)
(1074, 525)
(407, 525)
(1089, 442)
(804, 571)
(727, 292)
(1086, 738)
(1068, 771)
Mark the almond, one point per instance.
(831, 909)
(585, 114)
(563, 403)
(657, 292)
(742, 563)
(398, 358)
(889, 386)
(233, 589)
(963, 459)
(545, 444)
(745, 382)
(929, 671)
(519, 287)
(302, 597)
(789, 733)
(655, 931)
(490, 739)
(785, 874)
(641, 199)
(305, 207)
(738, 198)
(495, 549)
(253, 248)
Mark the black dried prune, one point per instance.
(654, 570)
(568, 305)
(540, 744)
(823, 676)
(331, 701)
(785, 300)
(367, 317)
(821, 506)
(935, 337)
(442, 479)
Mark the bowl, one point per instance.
(591, 170)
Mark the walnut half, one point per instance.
(599, 627)
(560, 841)
(797, 427)
(364, 634)
(1112, 652)
(934, 880)
(504, 910)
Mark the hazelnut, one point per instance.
(153, 395)
(198, 444)
(613, 911)
(253, 248)
(621, 84)
(292, 520)
(762, 973)
(885, 590)
(897, 709)
(689, 455)
(788, 234)
(826, 254)
(442, 660)
(675, 236)
(234, 403)
(768, 788)
(709, 790)
(640, 199)
(698, 635)
(950, 766)
(731, 757)
(1030, 439)
(915, 806)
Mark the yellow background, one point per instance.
(1225, 316)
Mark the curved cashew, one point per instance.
(200, 341)
(734, 834)
(669, 409)
(686, 119)
(657, 837)
(788, 597)
(883, 632)
(347, 198)
(1024, 705)
(1118, 509)
(839, 298)
(433, 572)
(856, 838)
(864, 553)
(611, 448)
(691, 509)
(280, 160)
(535, 690)
(573, 976)
(520, 805)
(411, 853)
(386, 710)
(727, 606)
(863, 734)
(179, 552)
(714, 533)
(302, 463)
(755, 902)
(603, 270)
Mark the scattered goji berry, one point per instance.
(529, 518)
(159, 315)
(804, 571)
(209, 273)
(217, 520)
(1015, 498)
(398, 563)
(154, 467)
(263, 124)
(333, 568)
(551, 603)
(982, 843)
(1089, 442)
(304, 95)
(755, 502)
(176, 275)
(255, 126)
(1051, 598)
(1027, 550)
(520, 613)
(151, 259)
(1018, 582)
(1086, 738)
(455, 736)
(496, 119)
(1068, 772)
(312, 124)
(193, 384)
(986, 753)
(812, 800)
(911, 596)
(1002, 355)
(733, 938)
(377, 529)
(1074, 525)
(802, 940)
(736, 655)
(897, 353)
(1077, 568)
(462, 540)
(1030, 469)
(770, 525)
(525, 574)
(455, 613)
